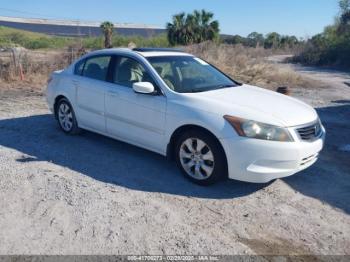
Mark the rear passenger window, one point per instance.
(97, 67)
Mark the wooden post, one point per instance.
(21, 74)
(14, 60)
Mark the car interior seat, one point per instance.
(95, 71)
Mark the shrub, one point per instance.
(332, 47)
(249, 65)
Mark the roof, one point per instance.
(156, 49)
(151, 52)
(163, 53)
(145, 53)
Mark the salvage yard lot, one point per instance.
(89, 194)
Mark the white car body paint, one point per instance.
(149, 121)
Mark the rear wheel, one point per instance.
(201, 158)
(66, 117)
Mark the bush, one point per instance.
(249, 65)
(330, 48)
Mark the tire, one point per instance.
(200, 157)
(66, 117)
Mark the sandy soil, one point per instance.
(335, 84)
(92, 195)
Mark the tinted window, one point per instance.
(129, 71)
(78, 70)
(97, 67)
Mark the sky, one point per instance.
(302, 18)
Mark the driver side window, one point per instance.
(128, 71)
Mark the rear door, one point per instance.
(90, 97)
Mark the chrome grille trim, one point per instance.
(310, 132)
(308, 159)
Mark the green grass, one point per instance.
(10, 37)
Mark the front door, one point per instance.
(137, 118)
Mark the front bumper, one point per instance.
(260, 161)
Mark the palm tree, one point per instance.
(176, 29)
(192, 28)
(107, 28)
(210, 29)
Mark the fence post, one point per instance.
(21, 72)
(16, 57)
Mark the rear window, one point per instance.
(96, 67)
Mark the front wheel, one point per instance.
(66, 117)
(201, 158)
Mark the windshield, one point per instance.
(187, 74)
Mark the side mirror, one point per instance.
(143, 88)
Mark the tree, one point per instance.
(343, 26)
(345, 19)
(332, 46)
(255, 39)
(107, 28)
(209, 30)
(344, 16)
(288, 41)
(344, 6)
(176, 29)
(234, 40)
(192, 28)
(272, 40)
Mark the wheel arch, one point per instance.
(185, 128)
(57, 99)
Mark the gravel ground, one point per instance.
(93, 195)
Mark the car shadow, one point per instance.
(329, 179)
(344, 101)
(107, 160)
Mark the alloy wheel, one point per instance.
(65, 117)
(196, 158)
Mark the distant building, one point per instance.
(76, 28)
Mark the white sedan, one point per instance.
(178, 105)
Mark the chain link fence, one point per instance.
(20, 63)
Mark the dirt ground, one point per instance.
(93, 195)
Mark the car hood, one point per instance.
(255, 103)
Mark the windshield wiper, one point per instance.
(225, 86)
(210, 88)
(197, 90)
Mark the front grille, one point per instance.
(310, 132)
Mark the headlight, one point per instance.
(257, 130)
